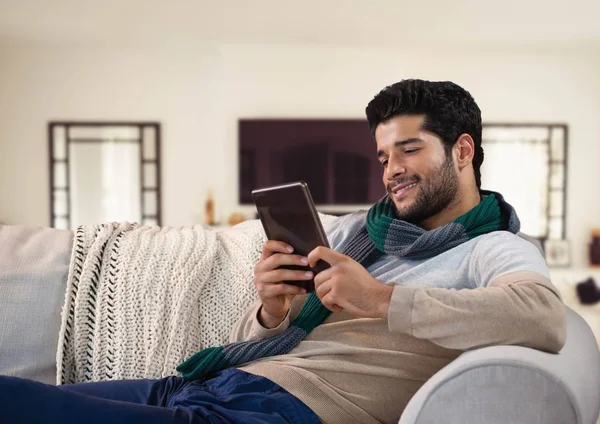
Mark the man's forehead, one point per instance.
(400, 127)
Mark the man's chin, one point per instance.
(403, 206)
(402, 212)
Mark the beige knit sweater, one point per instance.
(358, 370)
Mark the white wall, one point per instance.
(199, 94)
(36, 86)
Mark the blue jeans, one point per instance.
(232, 396)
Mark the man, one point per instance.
(433, 269)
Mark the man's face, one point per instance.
(419, 177)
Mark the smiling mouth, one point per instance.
(401, 189)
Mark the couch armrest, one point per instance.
(512, 384)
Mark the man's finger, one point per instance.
(279, 259)
(273, 290)
(330, 304)
(322, 289)
(323, 276)
(279, 275)
(273, 246)
(326, 254)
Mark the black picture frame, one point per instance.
(148, 144)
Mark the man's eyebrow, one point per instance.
(399, 143)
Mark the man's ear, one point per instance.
(464, 150)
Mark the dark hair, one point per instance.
(449, 112)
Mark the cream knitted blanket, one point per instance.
(140, 300)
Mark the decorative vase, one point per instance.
(209, 209)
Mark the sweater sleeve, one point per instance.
(248, 326)
(514, 303)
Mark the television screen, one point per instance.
(336, 157)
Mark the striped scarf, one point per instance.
(382, 234)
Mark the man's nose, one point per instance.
(394, 169)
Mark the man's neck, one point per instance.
(460, 206)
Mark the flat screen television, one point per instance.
(336, 157)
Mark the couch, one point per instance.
(500, 384)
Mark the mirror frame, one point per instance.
(556, 131)
(146, 217)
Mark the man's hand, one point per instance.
(276, 296)
(348, 285)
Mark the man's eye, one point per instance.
(411, 151)
(384, 163)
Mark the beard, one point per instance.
(433, 196)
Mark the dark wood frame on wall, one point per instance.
(564, 162)
(155, 218)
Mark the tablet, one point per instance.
(288, 214)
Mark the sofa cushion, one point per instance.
(34, 263)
